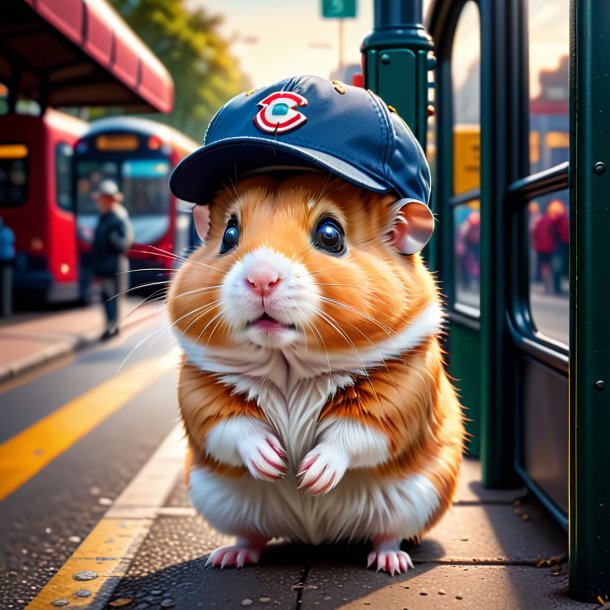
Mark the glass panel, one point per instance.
(147, 198)
(466, 83)
(548, 235)
(467, 270)
(63, 167)
(145, 186)
(13, 174)
(549, 46)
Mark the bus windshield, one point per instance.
(143, 183)
(13, 174)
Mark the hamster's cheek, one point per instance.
(269, 299)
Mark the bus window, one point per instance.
(63, 169)
(14, 161)
(549, 47)
(548, 229)
(147, 198)
(466, 85)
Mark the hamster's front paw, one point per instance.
(263, 456)
(322, 468)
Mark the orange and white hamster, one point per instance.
(313, 391)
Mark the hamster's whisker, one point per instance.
(333, 323)
(138, 287)
(200, 290)
(145, 269)
(329, 177)
(219, 316)
(194, 311)
(389, 331)
(170, 255)
(150, 249)
(152, 336)
(232, 184)
(342, 285)
(149, 299)
(315, 332)
(207, 308)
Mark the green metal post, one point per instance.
(589, 502)
(397, 57)
(497, 410)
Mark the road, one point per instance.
(71, 438)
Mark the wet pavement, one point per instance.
(107, 523)
(44, 521)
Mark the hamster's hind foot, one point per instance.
(247, 551)
(386, 552)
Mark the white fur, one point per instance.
(293, 301)
(247, 441)
(365, 446)
(359, 508)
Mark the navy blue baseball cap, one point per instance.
(311, 122)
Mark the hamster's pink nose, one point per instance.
(263, 281)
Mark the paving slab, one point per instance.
(170, 569)
(471, 491)
(37, 340)
(492, 533)
(343, 584)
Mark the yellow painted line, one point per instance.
(25, 454)
(108, 550)
(102, 558)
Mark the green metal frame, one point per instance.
(590, 299)
(397, 58)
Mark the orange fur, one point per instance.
(372, 293)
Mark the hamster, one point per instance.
(313, 392)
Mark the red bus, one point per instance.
(139, 155)
(36, 202)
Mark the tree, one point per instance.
(187, 42)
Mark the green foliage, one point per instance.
(186, 41)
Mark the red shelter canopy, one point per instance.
(79, 53)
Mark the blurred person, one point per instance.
(111, 241)
(546, 241)
(7, 258)
(534, 215)
(470, 238)
(558, 212)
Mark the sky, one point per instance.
(278, 38)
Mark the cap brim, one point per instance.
(215, 166)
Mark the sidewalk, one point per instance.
(494, 549)
(31, 342)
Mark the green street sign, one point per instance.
(333, 9)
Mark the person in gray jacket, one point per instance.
(111, 241)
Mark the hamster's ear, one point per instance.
(201, 218)
(413, 226)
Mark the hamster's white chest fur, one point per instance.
(360, 507)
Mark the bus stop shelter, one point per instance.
(78, 53)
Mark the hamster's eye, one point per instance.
(230, 237)
(329, 236)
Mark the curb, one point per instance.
(58, 350)
(105, 555)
